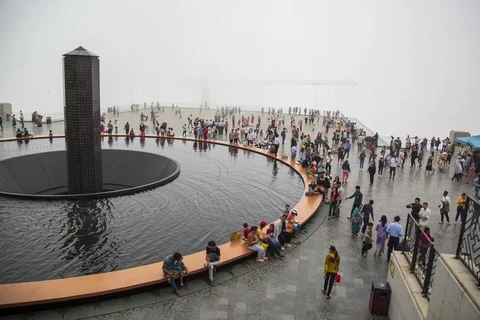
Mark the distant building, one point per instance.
(5, 108)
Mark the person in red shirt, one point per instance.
(425, 239)
(334, 202)
(246, 231)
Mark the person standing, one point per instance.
(328, 161)
(476, 185)
(340, 154)
(345, 171)
(212, 258)
(461, 205)
(372, 169)
(184, 130)
(348, 146)
(127, 128)
(334, 202)
(381, 229)
(367, 211)
(393, 166)
(424, 214)
(1, 122)
(445, 207)
(395, 232)
(360, 140)
(284, 135)
(425, 239)
(416, 206)
(358, 199)
(115, 125)
(362, 157)
(330, 270)
(276, 144)
(458, 170)
(21, 120)
(356, 220)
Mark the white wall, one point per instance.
(406, 301)
(450, 299)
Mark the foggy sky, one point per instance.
(416, 63)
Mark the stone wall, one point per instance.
(454, 293)
(406, 301)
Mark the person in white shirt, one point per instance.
(445, 207)
(328, 161)
(276, 144)
(293, 151)
(393, 166)
(360, 142)
(424, 214)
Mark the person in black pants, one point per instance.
(367, 211)
(372, 169)
(395, 231)
(284, 237)
(330, 270)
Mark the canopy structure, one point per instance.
(473, 141)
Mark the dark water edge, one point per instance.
(219, 188)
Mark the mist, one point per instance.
(400, 67)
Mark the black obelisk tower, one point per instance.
(82, 120)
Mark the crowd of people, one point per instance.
(328, 143)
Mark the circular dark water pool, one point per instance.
(219, 189)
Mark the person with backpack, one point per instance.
(345, 171)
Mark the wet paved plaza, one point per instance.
(288, 288)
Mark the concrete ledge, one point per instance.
(51, 291)
(454, 292)
(407, 301)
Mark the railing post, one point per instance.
(463, 218)
(406, 233)
(428, 273)
(415, 249)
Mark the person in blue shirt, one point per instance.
(348, 146)
(395, 232)
(169, 269)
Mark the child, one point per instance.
(246, 231)
(181, 269)
(367, 241)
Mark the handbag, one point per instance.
(338, 278)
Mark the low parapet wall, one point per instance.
(25, 294)
(454, 292)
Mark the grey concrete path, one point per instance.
(290, 288)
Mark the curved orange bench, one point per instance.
(24, 294)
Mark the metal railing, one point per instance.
(421, 255)
(468, 247)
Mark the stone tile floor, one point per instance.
(289, 288)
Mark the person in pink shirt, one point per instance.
(291, 218)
